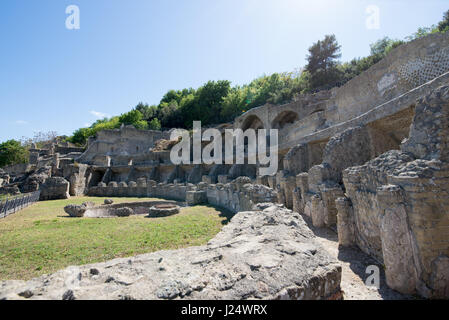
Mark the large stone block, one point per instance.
(55, 188)
(345, 222)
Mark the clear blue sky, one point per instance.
(52, 78)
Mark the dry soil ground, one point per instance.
(354, 264)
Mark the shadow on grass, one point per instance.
(224, 213)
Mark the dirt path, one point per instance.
(354, 264)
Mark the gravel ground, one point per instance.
(354, 263)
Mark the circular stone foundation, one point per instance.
(163, 210)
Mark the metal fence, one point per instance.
(10, 206)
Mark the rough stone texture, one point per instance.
(345, 225)
(55, 188)
(396, 240)
(10, 190)
(297, 160)
(196, 197)
(350, 148)
(239, 195)
(91, 210)
(258, 255)
(429, 133)
(142, 182)
(400, 203)
(120, 143)
(163, 211)
(4, 178)
(361, 186)
(75, 211)
(287, 187)
(330, 194)
(78, 175)
(123, 212)
(36, 179)
(108, 201)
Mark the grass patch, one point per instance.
(42, 239)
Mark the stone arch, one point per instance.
(252, 122)
(284, 118)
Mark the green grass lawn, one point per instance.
(42, 238)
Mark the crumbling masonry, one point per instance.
(369, 159)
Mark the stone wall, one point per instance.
(409, 69)
(54, 188)
(404, 68)
(236, 196)
(397, 204)
(79, 177)
(121, 142)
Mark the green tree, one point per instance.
(148, 112)
(422, 32)
(322, 62)
(81, 135)
(380, 46)
(233, 104)
(134, 118)
(443, 25)
(206, 103)
(131, 117)
(169, 115)
(176, 95)
(154, 124)
(12, 152)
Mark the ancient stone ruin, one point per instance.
(147, 208)
(369, 160)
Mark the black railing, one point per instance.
(10, 206)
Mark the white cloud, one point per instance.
(21, 122)
(99, 115)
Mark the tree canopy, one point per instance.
(12, 152)
(443, 25)
(323, 61)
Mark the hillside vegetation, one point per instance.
(219, 102)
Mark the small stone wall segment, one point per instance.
(89, 210)
(55, 188)
(236, 196)
(164, 210)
